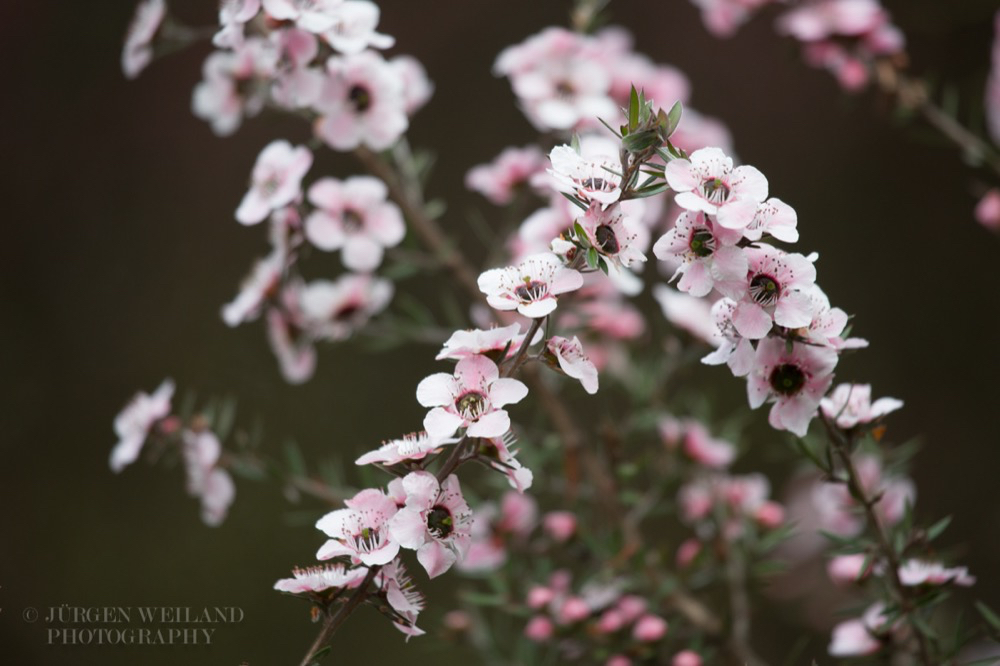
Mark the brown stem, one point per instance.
(842, 445)
(739, 608)
(333, 622)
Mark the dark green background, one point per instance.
(120, 246)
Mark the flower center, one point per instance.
(606, 239)
(368, 540)
(439, 522)
(593, 184)
(715, 190)
(352, 221)
(702, 243)
(270, 185)
(347, 311)
(471, 405)
(360, 98)
(787, 379)
(764, 290)
(531, 291)
(564, 89)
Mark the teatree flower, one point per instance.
(205, 480)
(828, 323)
(573, 361)
(436, 521)
(733, 349)
(708, 182)
(776, 218)
(499, 454)
(362, 102)
(700, 446)
(235, 84)
(312, 15)
(334, 310)
(415, 446)
(296, 84)
(361, 531)
(472, 398)
(233, 15)
(499, 180)
(292, 346)
(402, 595)
(613, 235)
(795, 380)
(918, 572)
(132, 425)
(775, 288)
(276, 180)
(707, 252)
(589, 178)
(417, 87)
(686, 312)
(723, 17)
(532, 287)
(851, 404)
(138, 53)
(490, 343)
(857, 637)
(321, 578)
(354, 216)
(353, 29)
(260, 285)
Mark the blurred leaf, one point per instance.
(633, 108)
(674, 117)
(991, 617)
(935, 530)
(294, 459)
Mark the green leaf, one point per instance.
(633, 108)
(640, 141)
(602, 264)
(592, 257)
(574, 200)
(581, 234)
(674, 118)
(294, 458)
(935, 530)
(650, 191)
(991, 617)
(574, 142)
(610, 128)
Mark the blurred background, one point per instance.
(121, 247)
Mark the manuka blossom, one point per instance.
(708, 182)
(498, 453)
(832, 508)
(132, 425)
(733, 349)
(473, 398)
(573, 361)
(513, 168)
(846, 569)
(205, 479)
(261, 284)
(361, 531)
(591, 179)
(691, 314)
(559, 78)
(276, 180)
(776, 218)
(235, 84)
(988, 209)
(795, 379)
(436, 521)
(828, 323)
(417, 87)
(292, 346)
(775, 289)
(333, 310)
(321, 578)
(851, 404)
(354, 26)
(493, 529)
(415, 446)
(491, 343)
(613, 235)
(362, 103)
(700, 446)
(312, 15)
(532, 287)
(353, 216)
(138, 53)
(233, 15)
(723, 17)
(397, 586)
(707, 252)
(297, 84)
(917, 572)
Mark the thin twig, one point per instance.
(333, 622)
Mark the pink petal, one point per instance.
(442, 423)
(435, 558)
(437, 390)
(324, 232)
(494, 424)
(751, 320)
(507, 391)
(794, 310)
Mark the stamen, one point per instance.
(787, 379)
(702, 243)
(764, 290)
(531, 291)
(607, 239)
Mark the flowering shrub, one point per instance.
(652, 539)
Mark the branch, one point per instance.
(333, 622)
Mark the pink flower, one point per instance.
(573, 609)
(321, 578)
(560, 525)
(511, 169)
(235, 84)
(828, 323)
(698, 131)
(233, 15)
(292, 346)
(649, 628)
(539, 629)
(261, 284)
(794, 379)
(532, 287)
(353, 216)
(360, 531)
(591, 179)
(473, 398)
(497, 450)
(702, 448)
(613, 235)
(845, 569)
(708, 182)
(491, 343)
(276, 180)
(436, 521)
(205, 480)
(399, 590)
(362, 103)
(988, 208)
(687, 552)
(518, 514)
(850, 404)
(686, 658)
(353, 29)
(618, 660)
(415, 446)
(312, 15)
(334, 310)
(733, 349)
(417, 88)
(723, 17)
(539, 596)
(775, 288)
(132, 425)
(686, 312)
(573, 361)
(827, 18)
(138, 53)
(770, 515)
(707, 253)
(917, 572)
(776, 218)
(857, 637)
(296, 84)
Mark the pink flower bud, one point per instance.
(574, 609)
(611, 621)
(846, 569)
(770, 515)
(618, 660)
(686, 658)
(560, 525)
(687, 551)
(539, 596)
(649, 628)
(631, 607)
(539, 629)
(457, 620)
